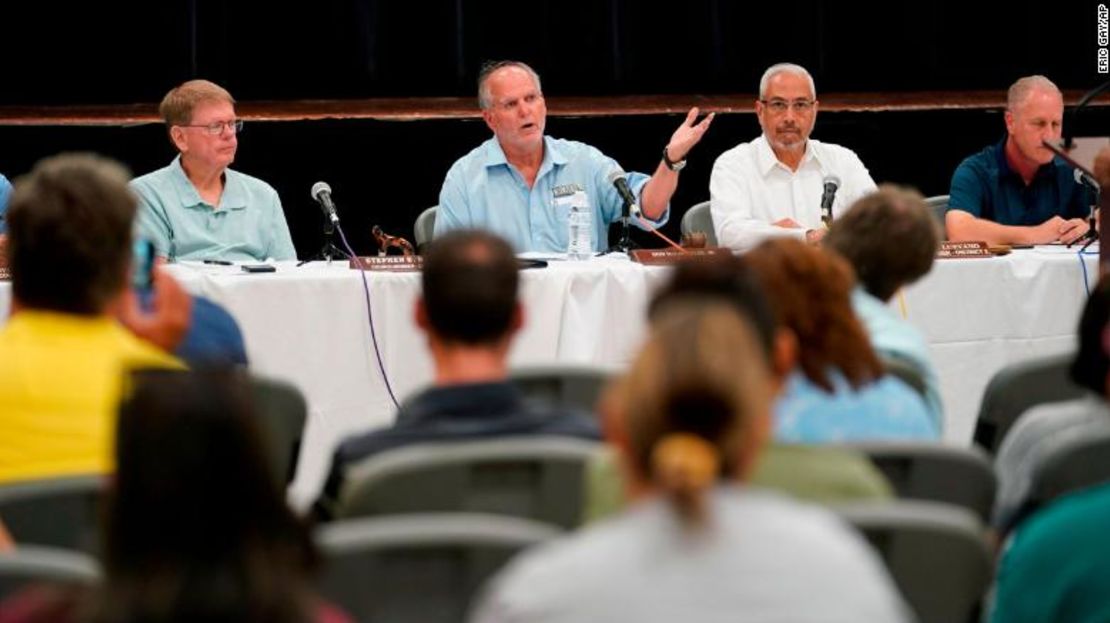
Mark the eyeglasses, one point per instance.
(778, 106)
(234, 126)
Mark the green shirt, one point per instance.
(1057, 565)
(248, 225)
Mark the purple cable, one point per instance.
(370, 319)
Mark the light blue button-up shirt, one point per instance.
(483, 191)
(248, 225)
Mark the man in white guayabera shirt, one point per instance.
(773, 185)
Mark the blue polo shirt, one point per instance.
(248, 225)
(5, 194)
(482, 190)
(985, 186)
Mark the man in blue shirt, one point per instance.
(1018, 191)
(197, 208)
(513, 183)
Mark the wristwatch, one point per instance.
(672, 165)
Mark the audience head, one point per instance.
(1091, 366)
(890, 238)
(787, 106)
(1034, 114)
(69, 229)
(810, 293)
(512, 103)
(694, 408)
(197, 528)
(725, 279)
(470, 282)
(200, 118)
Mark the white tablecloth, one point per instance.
(308, 325)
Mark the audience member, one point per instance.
(1019, 191)
(890, 238)
(470, 313)
(196, 528)
(689, 420)
(196, 208)
(519, 184)
(773, 186)
(838, 390)
(5, 195)
(63, 355)
(1043, 429)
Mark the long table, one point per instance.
(309, 325)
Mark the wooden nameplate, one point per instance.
(663, 257)
(964, 250)
(388, 263)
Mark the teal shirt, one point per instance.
(1056, 568)
(482, 190)
(248, 225)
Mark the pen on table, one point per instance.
(219, 262)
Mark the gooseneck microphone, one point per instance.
(831, 184)
(321, 192)
(617, 179)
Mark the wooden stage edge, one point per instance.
(428, 108)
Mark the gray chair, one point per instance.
(905, 372)
(934, 472)
(540, 478)
(424, 227)
(698, 218)
(426, 568)
(939, 206)
(1076, 465)
(1016, 388)
(33, 566)
(564, 386)
(282, 411)
(937, 555)
(58, 512)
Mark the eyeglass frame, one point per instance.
(235, 126)
(799, 106)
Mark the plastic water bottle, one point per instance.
(580, 244)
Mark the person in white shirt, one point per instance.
(773, 185)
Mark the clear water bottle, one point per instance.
(580, 244)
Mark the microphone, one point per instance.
(321, 192)
(1084, 178)
(831, 183)
(616, 178)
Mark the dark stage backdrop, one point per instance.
(58, 54)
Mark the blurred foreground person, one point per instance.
(689, 420)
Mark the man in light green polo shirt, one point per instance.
(197, 208)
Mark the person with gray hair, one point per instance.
(775, 184)
(519, 183)
(1018, 191)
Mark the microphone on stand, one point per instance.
(831, 184)
(617, 178)
(321, 192)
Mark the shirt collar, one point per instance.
(1005, 170)
(767, 161)
(233, 198)
(552, 155)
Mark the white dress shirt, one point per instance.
(750, 189)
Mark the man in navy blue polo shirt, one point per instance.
(1018, 191)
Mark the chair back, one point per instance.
(575, 387)
(282, 411)
(1016, 388)
(424, 227)
(698, 218)
(937, 555)
(935, 472)
(1075, 465)
(905, 372)
(939, 206)
(30, 565)
(539, 478)
(426, 567)
(58, 512)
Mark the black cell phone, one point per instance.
(142, 264)
(258, 268)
